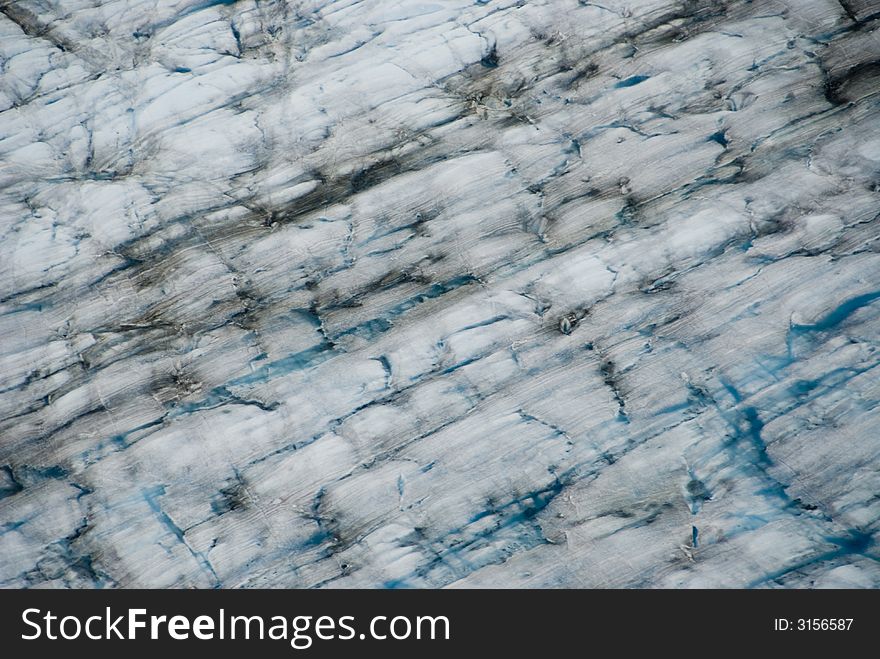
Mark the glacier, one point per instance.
(423, 294)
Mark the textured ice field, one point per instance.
(440, 293)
